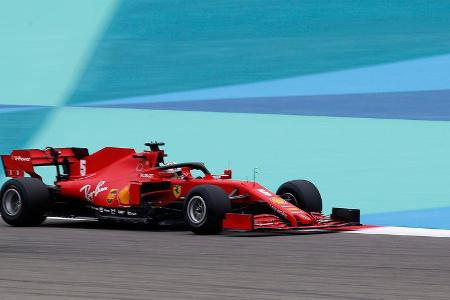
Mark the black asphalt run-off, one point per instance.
(88, 260)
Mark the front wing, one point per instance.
(262, 222)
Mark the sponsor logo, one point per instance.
(278, 200)
(82, 167)
(20, 158)
(139, 167)
(88, 195)
(265, 192)
(119, 212)
(144, 175)
(112, 195)
(176, 190)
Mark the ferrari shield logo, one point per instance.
(176, 191)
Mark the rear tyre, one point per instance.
(205, 208)
(24, 201)
(302, 194)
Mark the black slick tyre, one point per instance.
(205, 208)
(350, 215)
(302, 194)
(24, 201)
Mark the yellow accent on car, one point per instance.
(111, 195)
(124, 196)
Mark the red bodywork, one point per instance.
(114, 181)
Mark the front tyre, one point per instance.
(205, 208)
(302, 194)
(24, 201)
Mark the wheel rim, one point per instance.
(290, 198)
(196, 210)
(12, 202)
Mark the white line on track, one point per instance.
(407, 231)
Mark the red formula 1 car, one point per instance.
(121, 184)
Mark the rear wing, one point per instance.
(20, 162)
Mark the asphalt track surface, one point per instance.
(88, 260)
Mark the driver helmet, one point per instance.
(175, 171)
